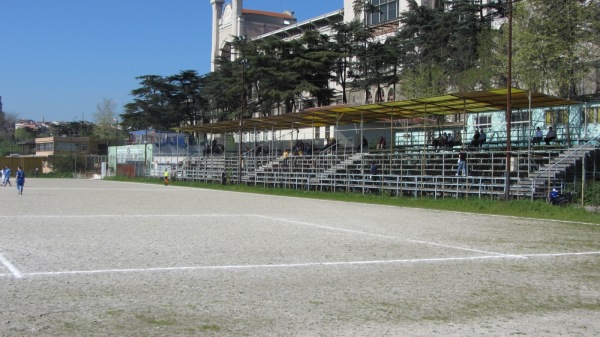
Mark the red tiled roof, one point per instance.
(273, 14)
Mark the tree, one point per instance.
(344, 38)
(151, 108)
(188, 100)
(25, 133)
(315, 64)
(552, 43)
(424, 37)
(105, 119)
(7, 126)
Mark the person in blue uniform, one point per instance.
(20, 175)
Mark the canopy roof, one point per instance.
(450, 104)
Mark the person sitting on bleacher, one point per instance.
(537, 137)
(475, 141)
(381, 144)
(439, 141)
(550, 136)
(286, 156)
(450, 141)
(458, 139)
(482, 137)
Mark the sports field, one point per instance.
(102, 258)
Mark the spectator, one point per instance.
(374, 171)
(450, 141)
(475, 141)
(462, 163)
(454, 140)
(537, 137)
(364, 145)
(482, 137)
(550, 136)
(439, 141)
(286, 156)
(381, 144)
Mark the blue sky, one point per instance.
(60, 58)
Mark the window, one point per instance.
(592, 115)
(483, 122)
(519, 116)
(327, 132)
(387, 10)
(558, 116)
(45, 147)
(317, 132)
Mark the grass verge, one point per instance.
(518, 208)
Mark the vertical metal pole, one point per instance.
(242, 99)
(529, 136)
(583, 178)
(508, 104)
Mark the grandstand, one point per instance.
(407, 173)
(415, 169)
(412, 168)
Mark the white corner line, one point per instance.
(11, 267)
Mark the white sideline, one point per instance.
(302, 265)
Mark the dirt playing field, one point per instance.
(101, 258)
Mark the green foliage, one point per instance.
(592, 194)
(7, 147)
(552, 43)
(25, 133)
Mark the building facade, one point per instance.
(231, 20)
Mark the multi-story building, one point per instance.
(231, 20)
(50, 148)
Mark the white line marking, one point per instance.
(308, 224)
(54, 216)
(385, 236)
(302, 265)
(560, 254)
(13, 270)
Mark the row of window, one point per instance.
(551, 117)
(66, 147)
(388, 10)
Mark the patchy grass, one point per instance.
(156, 321)
(210, 327)
(518, 208)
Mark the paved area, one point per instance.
(97, 258)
